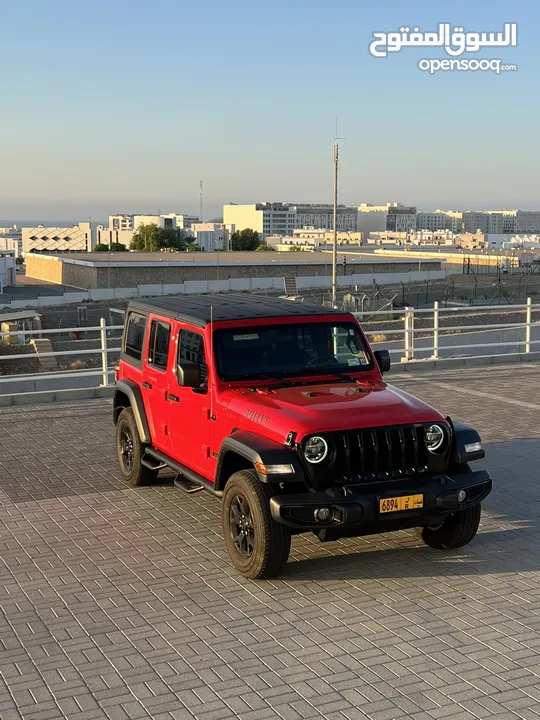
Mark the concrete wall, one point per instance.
(49, 269)
(133, 274)
(216, 286)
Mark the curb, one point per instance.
(50, 396)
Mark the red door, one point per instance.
(189, 408)
(158, 359)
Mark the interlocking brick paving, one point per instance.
(121, 604)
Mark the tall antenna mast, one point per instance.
(334, 248)
(200, 203)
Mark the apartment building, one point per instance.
(78, 238)
(171, 220)
(392, 217)
(270, 218)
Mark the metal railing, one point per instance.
(415, 335)
(436, 331)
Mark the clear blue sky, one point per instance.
(125, 105)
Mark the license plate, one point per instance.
(405, 502)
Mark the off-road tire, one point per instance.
(134, 474)
(456, 531)
(271, 540)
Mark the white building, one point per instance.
(269, 218)
(186, 222)
(392, 217)
(79, 238)
(13, 243)
(8, 274)
(132, 222)
(310, 239)
(210, 236)
(120, 222)
(106, 236)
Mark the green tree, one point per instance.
(295, 248)
(193, 247)
(113, 247)
(245, 240)
(146, 238)
(263, 247)
(151, 238)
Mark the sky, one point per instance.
(126, 105)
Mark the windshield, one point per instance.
(291, 349)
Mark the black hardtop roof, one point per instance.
(200, 309)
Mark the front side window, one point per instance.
(134, 338)
(191, 350)
(291, 349)
(158, 348)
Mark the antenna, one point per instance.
(212, 417)
(200, 203)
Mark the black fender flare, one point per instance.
(463, 435)
(259, 450)
(134, 395)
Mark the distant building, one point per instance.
(8, 274)
(310, 238)
(210, 236)
(392, 217)
(79, 238)
(106, 236)
(120, 222)
(269, 218)
(170, 220)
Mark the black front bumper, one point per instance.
(355, 508)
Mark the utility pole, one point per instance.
(334, 249)
(200, 203)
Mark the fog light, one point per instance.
(462, 496)
(323, 514)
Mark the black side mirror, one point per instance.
(189, 374)
(383, 360)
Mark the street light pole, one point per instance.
(334, 248)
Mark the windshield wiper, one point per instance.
(336, 373)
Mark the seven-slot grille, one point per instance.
(381, 453)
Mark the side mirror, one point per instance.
(189, 374)
(383, 360)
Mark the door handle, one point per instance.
(174, 398)
(147, 385)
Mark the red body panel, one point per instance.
(184, 428)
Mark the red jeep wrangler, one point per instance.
(280, 409)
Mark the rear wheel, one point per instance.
(456, 531)
(130, 450)
(257, 545)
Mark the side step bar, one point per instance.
(193, 478)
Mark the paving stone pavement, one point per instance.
(121, 604)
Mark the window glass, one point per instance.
(290, 349)
(191, 350)
(135, 335)
(158, 350)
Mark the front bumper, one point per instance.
(355, 508)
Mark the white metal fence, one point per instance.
(410, 335)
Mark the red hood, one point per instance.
(335, 406)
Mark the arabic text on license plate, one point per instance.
(405, 502)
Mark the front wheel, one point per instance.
(257, 545)
(456, 531)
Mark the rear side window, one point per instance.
(158, 349)
(133, 344)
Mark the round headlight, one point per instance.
(434, 438)
(316, 449)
